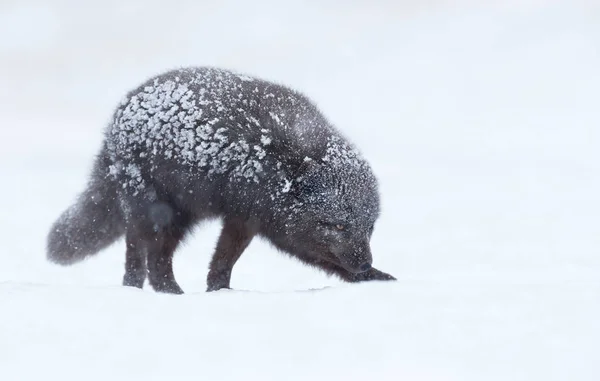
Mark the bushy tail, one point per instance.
(92, 223)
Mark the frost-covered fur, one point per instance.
(199, 143)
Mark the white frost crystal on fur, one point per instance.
(340, 152)
(286, 186)
(265, 140)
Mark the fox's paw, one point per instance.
(167, 287)
(217, 280)
(216, 288)
(134, 280)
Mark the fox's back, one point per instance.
(212, 122)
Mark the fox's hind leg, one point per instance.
(160, 262)
(154, 230)
(235, 237)
(135, 263)
(169, 228)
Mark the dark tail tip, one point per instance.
(62, 249)
(84, 229)
(89, 225)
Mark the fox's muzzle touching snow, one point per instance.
(200, 143)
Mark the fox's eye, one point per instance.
(333, 226)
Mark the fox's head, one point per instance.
(333, 215)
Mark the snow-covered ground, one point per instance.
(481, 120)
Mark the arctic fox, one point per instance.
(199, 143)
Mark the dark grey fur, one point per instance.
(199, 143)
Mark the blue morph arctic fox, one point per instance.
(199, 143)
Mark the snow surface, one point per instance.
(480, 119)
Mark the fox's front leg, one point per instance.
(135, 264)
(235, 237)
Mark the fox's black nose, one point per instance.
(365, 267)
